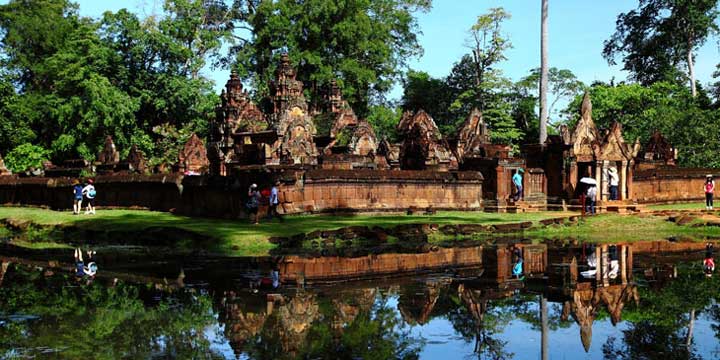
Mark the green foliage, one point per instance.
(26, 156)
(384, 120)
(667, 107)
(364, 44)
(655, 38)
(82, 79)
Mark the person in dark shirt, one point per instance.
(77, 197)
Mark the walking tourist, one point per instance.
(77, 197)
(709, 190)
(614, 181)
(709, 262)
(590, 196)
(89, 192)
(274, 201)
(253, 203)
(517, 180)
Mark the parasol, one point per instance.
(588, 180)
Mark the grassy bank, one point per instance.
(620, 228)
(238, 237)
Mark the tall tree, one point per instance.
(543, 71)
(365, 44)
(659, 36)
(487, 43)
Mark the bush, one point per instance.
(26, 156)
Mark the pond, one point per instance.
(658, 305)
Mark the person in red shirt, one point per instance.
(709, 190)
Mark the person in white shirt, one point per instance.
(614, 182)
(590, 200)
(89, 193)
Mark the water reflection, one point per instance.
(658, 304)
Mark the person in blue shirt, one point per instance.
(274, 201)
(77, 197)
(518, 182)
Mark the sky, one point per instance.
(577, 30)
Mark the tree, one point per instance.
(543, 72)
(422, 91)
(667, 107)
(659, 36)
(487, 44)
(364, 44)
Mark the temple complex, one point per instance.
(3, 169)
(329, 159)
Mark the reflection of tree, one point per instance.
(354, 325)
(95, 321)
(479, 319)
(661, 325)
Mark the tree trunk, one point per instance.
(544, 321)
(691, 67)
(543, 72)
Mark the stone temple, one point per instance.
(328, 160)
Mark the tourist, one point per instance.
(77, 197)
(518, 181)
(81, 270)
(709, 190)
(253, 203)
(89, 192)
(274, 201)
(709, 262)
(614, 181)
(590, 196)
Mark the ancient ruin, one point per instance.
(3, 169)
(136, 160)
(423, 147)
(192, 159)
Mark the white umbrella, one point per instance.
(588, 180)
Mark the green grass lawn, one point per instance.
(680, 206)
(625, 228)
(238, 237)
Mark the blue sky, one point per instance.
(577, 29)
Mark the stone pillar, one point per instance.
(598, 261)
(573, 175)
(630, 192)
(605, 185)
(624, 180)
(598, 175)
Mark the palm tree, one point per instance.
(543, 72)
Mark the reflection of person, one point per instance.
(590, 196)
(709, 262)
(253, 203)
(614, 181)
(709, 190)
(517, 180)
(517, 269)
(77, 197)
(614, 262)
(80, 269)
(89, 192)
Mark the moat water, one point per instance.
(662, 306)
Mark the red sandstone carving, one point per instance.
(109, 155)
(3, 169)
(423, 146)
(473, 136)
(364, 141)
(136, 160)
(193, 157)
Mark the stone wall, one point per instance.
(301, 191)
(383, 190)
(669, 185)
